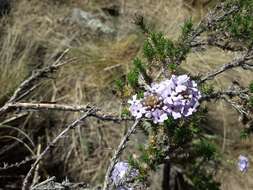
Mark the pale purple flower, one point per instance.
(184, 97)
(243, 163)
(134, 100)
(177, 97)
(121, 173)
(136, 108)
(159, 116)
(164, 88)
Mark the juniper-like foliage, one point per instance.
(184, 141)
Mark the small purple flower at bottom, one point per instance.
(122, 173)
(243, 163)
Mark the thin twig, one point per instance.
(8, 147)
(247, 66)
(25, 87)
(216, 42)
(66, 184)
(237, 107)
(15, 117)
(117, 154)
(27, 92)
(63, 107)
(36, 175)
(231, 93)
(236, 63)
(211, 20)
(29, 175)
(44, 182)
(17, 164)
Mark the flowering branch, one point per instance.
(170, 108)
(28, 177)
(118, 152)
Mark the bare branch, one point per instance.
(31, 82)
(50, 106)
(239, 62)
(117, 153)
(17, 164)
(44, 182)
(216, 42)
(29, 175)
(15, 117)
(53, 185)
(36, 170)
(75, 108)
(230, 93)
(209, 21)
(247, 66)
(237, 107)
(28, 91)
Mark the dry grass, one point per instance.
(36, 31)
(15, 53)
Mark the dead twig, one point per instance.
(29, 175)
(17, 164)
(32, 81)
(230, 93)
(15, 117)
(44, 182)
(237, 107)
(36, 175)
(53, 185)
(239, 62)
(75, 108)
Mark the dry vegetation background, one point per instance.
(33, 35)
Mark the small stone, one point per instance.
(91, 21)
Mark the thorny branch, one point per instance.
(117, 154)
(29, 175)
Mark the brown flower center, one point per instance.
(151, 101)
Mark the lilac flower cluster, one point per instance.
(243, 163)
(122, 173)
(177, 97)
